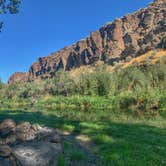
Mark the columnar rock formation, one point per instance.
(131, 35)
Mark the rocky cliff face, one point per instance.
(18, 77)
(131, 35)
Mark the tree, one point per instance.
(8, 6)
(61, 84)
(103, 83)
(130, 79)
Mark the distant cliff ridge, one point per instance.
(132, 35)
(18, 77)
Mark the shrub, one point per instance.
(163, 42)
(128, 59)
(86, 84)
(103, 83)
(62, 84)
(126, 101)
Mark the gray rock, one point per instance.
(30, 145)
(37, 153)
(25, 132)
(5, 162)
(55, 138)
(10, 139)
(7, 127)
(5, 151)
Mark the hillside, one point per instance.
(151, 57)
(129, 36)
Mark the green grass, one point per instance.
(61, 161)
(120, 139)
(77, 156)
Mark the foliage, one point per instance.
(131, 88)
(8, 6)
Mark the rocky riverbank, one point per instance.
(25, 144)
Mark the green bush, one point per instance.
(126, 101)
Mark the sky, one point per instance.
(45, 26)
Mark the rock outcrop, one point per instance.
(18, 77)
(28, 145)
(131, 35)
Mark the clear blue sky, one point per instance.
(44, 26)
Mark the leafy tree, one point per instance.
(87, 84)
(61, 84)
(8, 6)
(103, 83)
(156, 74)
(11, 91)
(64, 84)
(129, 79)
(30, 89)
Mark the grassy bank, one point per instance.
(139, 104)
(118, 137)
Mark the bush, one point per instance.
(103, 83)
(31, 89)
(87, 84)
(164, 42)
(62, 84)
(126, 102)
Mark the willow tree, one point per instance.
(8, 7)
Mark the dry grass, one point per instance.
(151, 57)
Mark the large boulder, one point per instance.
(25, 132)
(38, 153)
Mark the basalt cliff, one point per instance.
(131, 35)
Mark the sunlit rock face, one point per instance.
(130, 35)
(18, 77)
